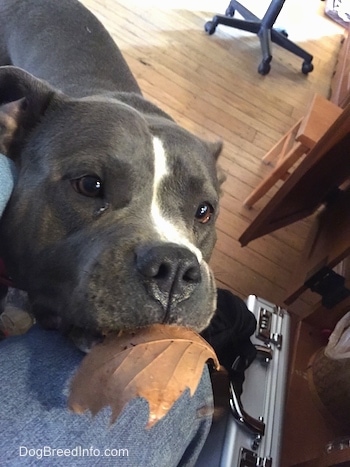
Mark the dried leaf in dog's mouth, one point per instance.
(157, 362)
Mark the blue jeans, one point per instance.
(36, 428)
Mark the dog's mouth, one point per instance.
(152, 284)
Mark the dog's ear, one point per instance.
(215, 148)
(11, 115)
(23, 101)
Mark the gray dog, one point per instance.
(111, 223)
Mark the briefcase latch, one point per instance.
(263, 330)
(251, 459)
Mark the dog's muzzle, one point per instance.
(152, 282)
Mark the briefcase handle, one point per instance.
(253, 425)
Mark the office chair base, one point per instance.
(265, 31)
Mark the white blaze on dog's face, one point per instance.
(167, 231)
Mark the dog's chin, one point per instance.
(85, 339)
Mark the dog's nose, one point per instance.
(171, 272)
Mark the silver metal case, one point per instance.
(264, 391)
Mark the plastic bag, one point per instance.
(338, 346)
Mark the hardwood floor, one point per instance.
(210, 85)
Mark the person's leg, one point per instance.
(36, 428)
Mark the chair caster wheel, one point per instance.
(230, 11)
(307, 67)
(210, 27)
(264, 67)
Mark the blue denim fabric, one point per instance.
(7, 180)
(34, 419)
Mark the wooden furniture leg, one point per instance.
(278, 173)
(283, 146)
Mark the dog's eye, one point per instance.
(89, 185)
(204, 212)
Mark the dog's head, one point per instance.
(111, 223)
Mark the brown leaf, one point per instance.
(157, 362)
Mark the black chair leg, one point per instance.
(264, 35)
(280, 39)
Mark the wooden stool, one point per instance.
(296, 143)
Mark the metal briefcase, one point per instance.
(250, 433)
